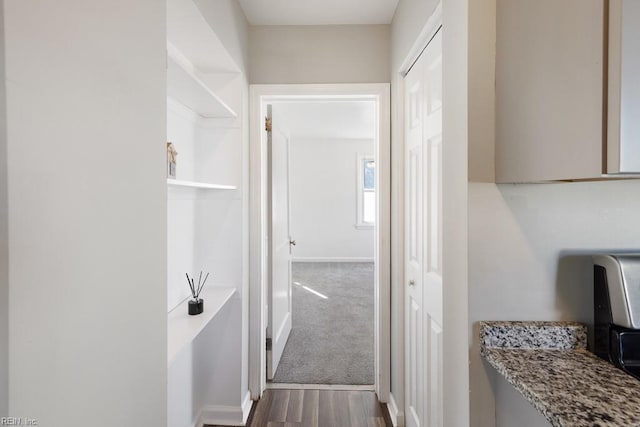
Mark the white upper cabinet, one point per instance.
(623, 133)
(549, 90)
(567, 90)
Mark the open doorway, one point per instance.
(321, 289)
(326, 318)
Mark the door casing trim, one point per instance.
(429, 30)
(258, 227)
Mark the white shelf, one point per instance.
(186, 87)
(200, 185)
(182, 328)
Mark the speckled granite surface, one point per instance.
(569, 385)
(549, 335)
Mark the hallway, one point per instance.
(319, 408)
(135, 139)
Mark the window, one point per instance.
(366, 191)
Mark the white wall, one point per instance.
(319, 54)
(4, 236)
(529, 256)
(323, 179)
(514, 410)
(227, 19)
(408, 21)
(87, 212)
(456, 128)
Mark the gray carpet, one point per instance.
(332, 339)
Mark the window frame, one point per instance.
(360, 190)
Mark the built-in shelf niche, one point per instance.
(204, 87)
(183, 328)
(184, 85)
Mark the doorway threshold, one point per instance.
(292, 386)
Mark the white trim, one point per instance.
(360, 159)
(397, 416)
(383, 244)
(199, 185)
(247, 404)
(291, 386)
(258, 225)
(428, 31)
(332, 259)
(279, 344)
(226, 415)
(283, 326)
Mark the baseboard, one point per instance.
(397, 416)
(247, 404)
(226, 415)
(329, 259)
(347, 387)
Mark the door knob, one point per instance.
(292, 242)
(412, 283)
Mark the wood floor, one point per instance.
(319, 408)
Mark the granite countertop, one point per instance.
(547, 362)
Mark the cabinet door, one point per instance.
(549, 89)
(623, 135)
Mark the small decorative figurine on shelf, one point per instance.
(172, 154)
(196, 305)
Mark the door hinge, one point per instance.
(268, 344)
(267, 124)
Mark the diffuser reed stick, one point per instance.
(196, 289)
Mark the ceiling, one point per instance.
(319, 12)
(327, 119)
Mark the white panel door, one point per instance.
(414, 224)
(279, 326)
(423, 237)
(432, 278)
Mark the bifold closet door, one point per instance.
(423, 238)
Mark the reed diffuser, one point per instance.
(196, 305)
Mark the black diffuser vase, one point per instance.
(196, 307)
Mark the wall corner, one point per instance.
(4, 235)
